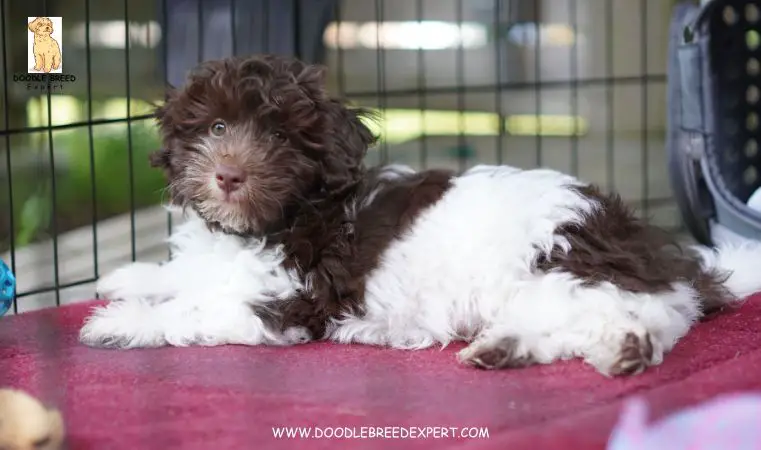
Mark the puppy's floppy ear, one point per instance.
(350, 135)
(160, 158)
(34, 24)
(160, 110)
(170, 92)
(360, 119)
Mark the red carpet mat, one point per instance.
(232, 397)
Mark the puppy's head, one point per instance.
(247, 141)
(41, 26)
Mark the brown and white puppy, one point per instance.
(292, 238)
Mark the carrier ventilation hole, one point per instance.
(752, 95)
(751, 148)
(730, 16)
(751, 122)
(752, 39)
(750, 176)
(753, 67)
(751, 13)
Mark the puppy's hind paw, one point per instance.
(121, 325)
(503, 353)
(635, 356)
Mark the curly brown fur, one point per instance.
(335, 256)
(304, 185)
(614, 246)
(276, 113)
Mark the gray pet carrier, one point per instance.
(714, 130)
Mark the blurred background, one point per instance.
(575, 85)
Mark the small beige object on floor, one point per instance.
(26, 424)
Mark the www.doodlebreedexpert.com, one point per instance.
(386, 432)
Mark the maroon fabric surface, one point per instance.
(231, 397)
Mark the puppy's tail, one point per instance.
(736, 266)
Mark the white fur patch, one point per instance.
(203, 296)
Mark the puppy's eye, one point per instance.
(279, 135)
(218, 128)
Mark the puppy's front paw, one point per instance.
(121, 325)
(136, 280)
(90, 336)
(502, 353)
(297, 335)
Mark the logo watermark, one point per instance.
(45, 45)
(44, 72)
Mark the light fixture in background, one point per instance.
(437, 35)
(424, 35)
(401, 125)
(530, 34)
(111, 34)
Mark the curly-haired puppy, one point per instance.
(47, 52)
(290, 238)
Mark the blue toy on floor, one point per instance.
(7, 288)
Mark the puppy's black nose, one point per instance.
(229, 178)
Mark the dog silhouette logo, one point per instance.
(44, 49)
